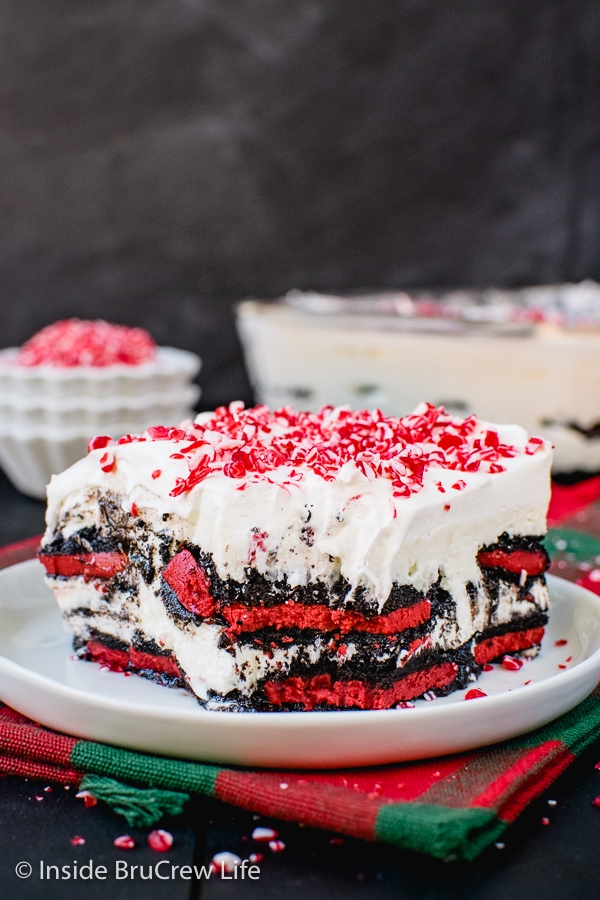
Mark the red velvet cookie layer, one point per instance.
(122, 660)
(320, 690)
(533, 562)
(322, 618)
(90, 565)
(512, 642)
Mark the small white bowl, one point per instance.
(48, 414)
(95, 412)
(171, 370)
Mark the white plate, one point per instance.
(39, 678)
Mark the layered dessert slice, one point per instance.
(291, 561)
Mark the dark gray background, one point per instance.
(160, 159)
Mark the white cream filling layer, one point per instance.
(75, 593)
(509, 606)
(82, 626)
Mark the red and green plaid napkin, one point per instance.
(453, 806)
(448, 807)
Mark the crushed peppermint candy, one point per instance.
(225, 862)
(77, 840)
(511, 663)
(249, 445)
(87, 797)
(475, 694)
(264, 834)
(160, 840)
(124, 842)
(76, 342)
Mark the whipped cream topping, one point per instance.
(251, 444)
(294, 521)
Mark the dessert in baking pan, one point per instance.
(530, 357)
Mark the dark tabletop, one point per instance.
(557, 861)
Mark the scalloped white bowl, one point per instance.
(48, 414)
(171, 370)
(98, 412)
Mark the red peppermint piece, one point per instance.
(533, 445)
(87, 798)
(511, 663)
(77, 840)
(448, 441)
(474, 694)
(276, 846)
(225, 862)
(160, 840)
(99, 442)
(107, 462)
(264, 834)
(124, 842)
